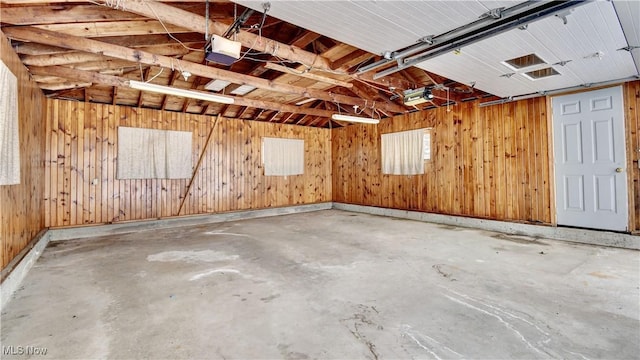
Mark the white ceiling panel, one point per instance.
(629, 15)
(591, 29)
(379, 26)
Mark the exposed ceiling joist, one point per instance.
(30, 15)
(308, 75)
(114, 28)
(305, 39)
(355, 57)
(81, 57)
(92, 77)
(120, 52)
(188, 20)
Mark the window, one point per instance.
(154, 154)
(403, 153)
(282, 157)
(9, 134)
(426, 144)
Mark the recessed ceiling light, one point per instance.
(302, 102)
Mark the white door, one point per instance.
(591, 179)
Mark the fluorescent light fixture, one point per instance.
(243, 90)
(217, 85)
(357, 119)
(139, 85)
(302, 102)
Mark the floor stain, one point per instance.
(269, 298)
(291, 355)
(445, 274)
(519, 239)
(601, 275)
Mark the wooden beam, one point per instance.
(120, 52)
(67, 13)
(63, 85)
(83, 57)
(301, 119)
(114, 95)
(307, 75)
(194, 85)
(273, 116)
(387, 81)
(38, 49)
(355, 57)
(86, 76)
(305, 39)
(366, 91)
(172, 79)
(78, 75)
(286, 119)
(188, 20)
(113, 28)
(143, 76)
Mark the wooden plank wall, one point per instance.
(81, 166)
(21, 207)
(490, 162)
(487, 162)
(632, 114)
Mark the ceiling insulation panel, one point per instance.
(588, 43)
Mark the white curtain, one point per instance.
(282, 157)
(9, 135)
(154, 154)
(402, 153)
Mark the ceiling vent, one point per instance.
(524, 61)
(542, 73)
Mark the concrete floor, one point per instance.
(327, 285)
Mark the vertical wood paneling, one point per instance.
(21, 206)
(229, 178)
(491, 162)
(632, 114)
(481, 163)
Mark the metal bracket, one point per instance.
(493, 13)
(427, 39)
(629, 48)
(563, 62)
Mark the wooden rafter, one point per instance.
(83, 57)
(305, 39)
(89, 45)
(31, 15)
(355, 57)
(307, 75)
(194, 22)
(118, 81)
(172, 79)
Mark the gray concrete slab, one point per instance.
(328, 284)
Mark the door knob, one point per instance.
(619, 170)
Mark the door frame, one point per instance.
(628, 148)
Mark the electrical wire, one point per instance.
(115, 4)
(155, 76)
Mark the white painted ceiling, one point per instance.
(599, 27)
